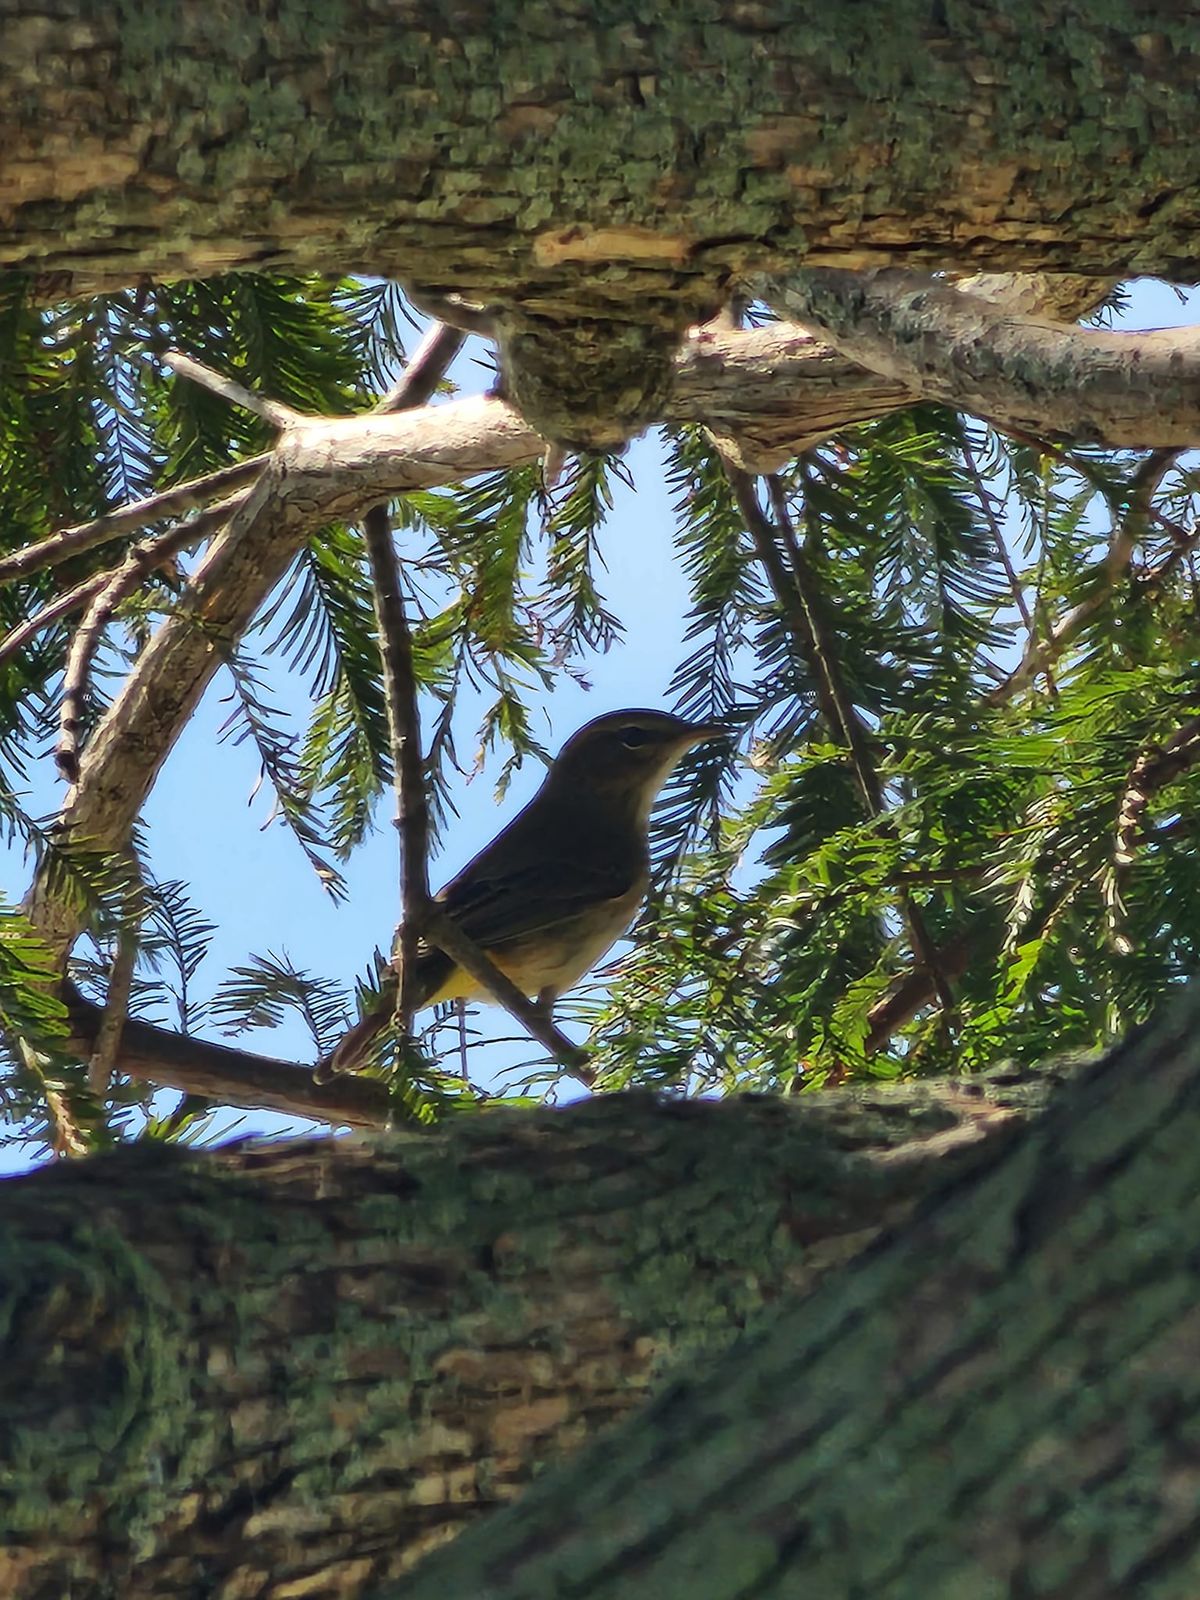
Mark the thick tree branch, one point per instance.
(991, 1402)
(343, 1349)
(227, 1076)
(1123, 390)
(635, 164)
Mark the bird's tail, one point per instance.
(433, 968)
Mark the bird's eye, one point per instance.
(634, 738)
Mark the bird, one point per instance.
(562, 882)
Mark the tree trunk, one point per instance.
(291, 1369)
(1000, 1401)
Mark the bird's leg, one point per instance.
(545, 1002)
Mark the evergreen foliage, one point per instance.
(963, 679)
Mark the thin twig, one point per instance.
(113, 588)
(917, 988)
(420, 378)
(448, 936)
(129, 518)
(422, 917)
(418, 383)
(1123, 542)
(795, 586)
(272, 411)
(787, 596)
(106, 1051)
(400, 695)
(148, 556)
(1185, 539)
(805, 579)
(910, 993)
(987, 506)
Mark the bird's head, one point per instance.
(626, 756)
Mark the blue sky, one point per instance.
(255, 885)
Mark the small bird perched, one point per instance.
(563, 881)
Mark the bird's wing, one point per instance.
(494, 908)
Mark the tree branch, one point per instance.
(795, 589)
(272, 411)
(988, 1402)
(131, 518)
(404, 728)
(140, 560)
(423, 1320)
(225, 1075)
(431, 360)
(1155, 768)
(1122, 390)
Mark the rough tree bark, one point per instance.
(610, 151)
(290, 1369)
(998, 1401)
(597, 174)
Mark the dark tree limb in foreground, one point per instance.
(999, 1401)
(285, 1369)
(594, 178)
(594, 157)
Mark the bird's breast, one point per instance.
(555, 958)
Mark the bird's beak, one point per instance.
(702, 732)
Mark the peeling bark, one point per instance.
(293, 1368)
(1023, 373)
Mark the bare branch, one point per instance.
(140, 560)
(423, 917)
(1127, 530)
(910, 993)
(420, 378)
(1123, 390)
(119, 585)
(106, 1049)
(272, 411)
(404, 727)
(227, 1076)
(61, 606)
(129, 518)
